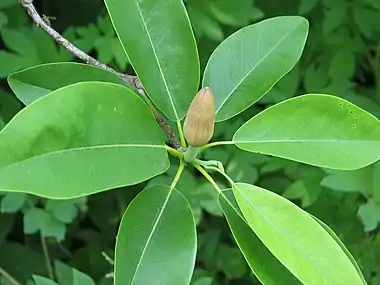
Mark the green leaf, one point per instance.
(235, 13)
(306, 6)
(343, 247)
(12, 202)
(203, 23)
(349, 181)
(9, 106)
(63, 210)
(43, 281)
(6, 226)
(259, 258)
(31, 84)
(245, 66)
(320, 130)
(365, 18)
(369, 215)
(208, 198)
(203, 281)
(156, 243)
(304, 247)
(36, 219)
(342, 65)
(334, 17)
(51, 227)
(71, 276)
(230, 261)
(105, 128)
(33, 220)
(19, 43)
(316, 77)
(161, 39)
(14, 62)
(3, 19)
(242, 170)
(298, 190)
(22, 261)
(275, 164)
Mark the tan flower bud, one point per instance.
(200, 119)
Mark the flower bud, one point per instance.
(200, 119)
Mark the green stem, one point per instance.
(181, 136)
(47, 258)
(108, 259)
(221, 172)
(208, 163)
(206, 146)
(174, 152)
(9, 277)
(191, 154)
(178, 174)
(208, 177)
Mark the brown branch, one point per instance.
(132, 80)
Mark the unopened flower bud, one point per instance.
(200, 119)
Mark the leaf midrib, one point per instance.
(157, 60)
(84, 148)
(255, 66)
(151, 233)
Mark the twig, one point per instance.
(9, 277)
(132, 80)
(29, 7)
(47, 258)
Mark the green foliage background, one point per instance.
(342, 57)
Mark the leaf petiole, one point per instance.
(174, 152)
(181, 136)
(221, 172)
(206, 146)
(208, 177)
(178, 174)
(208, 163)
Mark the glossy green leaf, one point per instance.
(33, 83)
(343, 247)
(259, 258)
(161, 48)
(79, 140)
(295, 238)
(320, 130)
(245, 66)
(156, 243)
